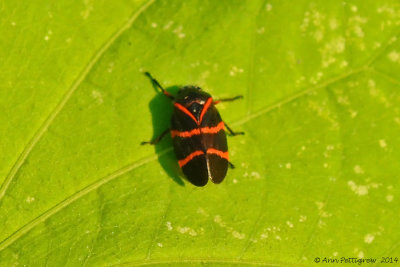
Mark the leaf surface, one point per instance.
(316, 173)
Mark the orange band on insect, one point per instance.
(198, 131)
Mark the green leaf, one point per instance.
(317, 173)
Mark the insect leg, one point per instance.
(231, 132)
(156, 83)
(231, 165)
(228, 99)
(155, 141)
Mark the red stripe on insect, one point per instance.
(197, 131)
(213, 130)
(192, 155)
(184, 110)
(217, 152)
(185, 134)
(205, 108)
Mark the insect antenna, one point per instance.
(157, 84)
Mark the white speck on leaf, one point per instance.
(355, 32)
(333, 24)
(360, 190)
(236, 234)
(168, 25)
(195, 64)
(360, 255)
(394, 56)
(322, 212)
(331, 49)
(178, 32)
(110, 67)
(358, 170)
(30, 199)
(261, 30)
(371, 83)
(88, 9)
(302, 218)
(300, 81)
(264, 236)
(256, 175)
(186, 229)
(377, 45)
(318, 35)
(235, 70)
(353, 113)
(368, 238)
(344, 100)
(97, 96)
(344, 64)
(321, 223)
(313, 24)
(202, 212)
(393, 39)
(268, 7)
(382, 143)
(320, 205)
(244, 165)
(389, 198)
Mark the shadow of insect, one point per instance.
(161, 111)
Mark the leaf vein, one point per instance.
(298, 95)
(250, 76)
(157, 230)
(66, 202)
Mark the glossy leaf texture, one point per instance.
(317, 173)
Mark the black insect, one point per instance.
(198, 134)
